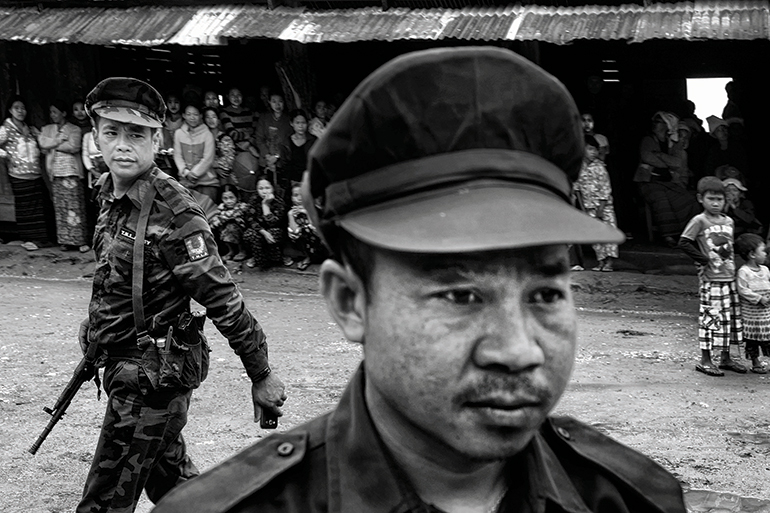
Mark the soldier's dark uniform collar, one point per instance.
(361, 477)
(135, 193)
(337, 464)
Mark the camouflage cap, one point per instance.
(453, 150)
(127, 100)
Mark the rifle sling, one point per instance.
(137, 275)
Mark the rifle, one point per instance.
(83, 372)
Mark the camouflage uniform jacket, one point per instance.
(337, 463)
(180, 262)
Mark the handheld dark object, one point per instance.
(83, 372)
(268, 420)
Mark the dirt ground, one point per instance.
(634, 378)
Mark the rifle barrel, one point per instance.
(83, 372)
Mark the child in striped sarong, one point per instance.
(754, 289)
(708, 240)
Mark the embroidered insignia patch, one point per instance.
(196, 247)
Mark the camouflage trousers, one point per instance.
(140, 445)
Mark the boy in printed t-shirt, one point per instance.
(708, 240)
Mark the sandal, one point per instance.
(30, 246)
(758, 369)
(303, 265)
(251, 263)
(733, 366)
(708, 370)
(577, 268)
(287, 261)
(85, 248)
(240, 257)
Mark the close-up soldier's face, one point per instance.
(128, 149)
(472, 349)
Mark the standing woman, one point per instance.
(61, 141)
(225, 147)
(297, 148)
(239, 123)
(18, 146)
(194, 150)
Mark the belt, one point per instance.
(124, 353)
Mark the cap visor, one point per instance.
(128, 115)
(477, 218)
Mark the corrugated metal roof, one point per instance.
(206, 25)
(713, 19)
(212, 25)
(137, 26)
(372, 24)
(140, 26)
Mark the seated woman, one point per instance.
(660, 162)
(740, 208)
(266, 221)
(726, 149)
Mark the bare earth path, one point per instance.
(633, 379)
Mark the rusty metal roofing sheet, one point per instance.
(144, 26)
(710, 19)
(46, 26)
(206, 25)
(214, 24)
(138, 26)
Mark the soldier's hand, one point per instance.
(83, 336)
(269, 393)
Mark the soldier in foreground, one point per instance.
(154, 252)
(442, 188)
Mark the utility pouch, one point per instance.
(184, 357)
(170, 361)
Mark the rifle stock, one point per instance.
(83, 372)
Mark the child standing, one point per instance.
(754, 289)
(228, 223)
(708, 240)
(594, 192)
(301, 232)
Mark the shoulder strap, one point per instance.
(138, 264)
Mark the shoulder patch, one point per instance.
(237, 478)
(196, 248)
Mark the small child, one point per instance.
(594, 192)
(301, 232)
(754, 290)
(229, 221)
(708, 240)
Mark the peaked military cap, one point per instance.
(127, 100)
(453, 150)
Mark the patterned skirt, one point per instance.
(756, 321)
(29, 197)
(69, 203)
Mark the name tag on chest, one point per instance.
(126, 234)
